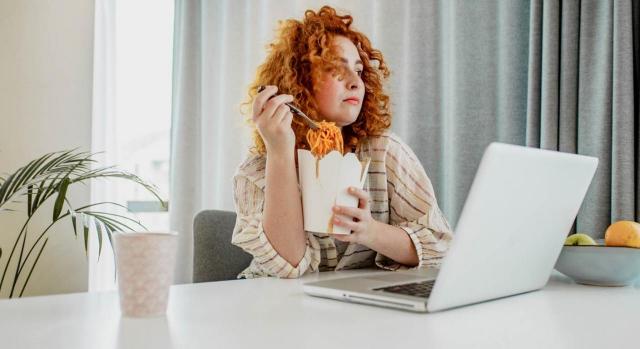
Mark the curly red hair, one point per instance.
(301, 52)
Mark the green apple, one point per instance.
(579, 239)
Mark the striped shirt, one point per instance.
(400, 193)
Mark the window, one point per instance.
(132, 113)
(143, 65)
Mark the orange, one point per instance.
(623, 233)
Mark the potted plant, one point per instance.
(49, 178)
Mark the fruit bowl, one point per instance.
(600, 265)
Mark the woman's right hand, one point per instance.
(273, 120)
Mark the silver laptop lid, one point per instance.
(520, 207)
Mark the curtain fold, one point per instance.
(580, 98)
(548, 74)
(636, 99)
(103, 136)
(623, 136)
(185, 173)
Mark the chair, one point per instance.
(214, 257)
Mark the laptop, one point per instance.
(519, 210)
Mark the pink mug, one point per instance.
(145, 263)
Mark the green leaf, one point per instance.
(24, 286)
(73, 221)
(51, 188)
(62, 193)
(102, 214)
(110, 233)
(29, 174)
(101, 203)
(33, 168)
(20, 176)
(29, 199)
(110, 229)
(119, 226)
(4, 189)
(46, 174)
(109, 172)
(39, 192)
(86, 237)
(99, 230)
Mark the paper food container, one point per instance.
(324, 183)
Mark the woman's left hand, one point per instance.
(358, 220)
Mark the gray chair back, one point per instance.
(214, 257)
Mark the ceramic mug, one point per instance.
(145, 263)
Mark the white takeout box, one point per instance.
(324, 183)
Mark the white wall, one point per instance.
(46, 58)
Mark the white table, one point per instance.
(274, 313)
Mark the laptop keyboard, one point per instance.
(416, 289)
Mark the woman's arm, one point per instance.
(417, 233)
(413, 207)
(249, 234)
(282, 220)
(394, 243)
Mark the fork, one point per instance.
(307, 121)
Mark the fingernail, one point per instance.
(352, 189)
(336, 208)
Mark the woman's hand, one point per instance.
(358, 220)
(273, 120)
(388, 240)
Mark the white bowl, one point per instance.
(600, 265)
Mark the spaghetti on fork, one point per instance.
(324, 139)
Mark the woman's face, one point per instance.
(339, 98)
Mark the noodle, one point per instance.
(326, 138)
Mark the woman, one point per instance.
(331, 72)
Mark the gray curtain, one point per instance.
(636, 99)
(466, 86)
(550, 74)
(581, 98)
